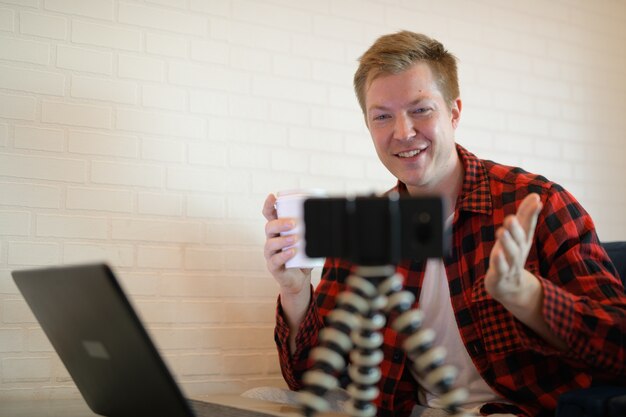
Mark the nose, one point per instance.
(403, 128)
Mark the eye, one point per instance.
(381, 117)
(421, 110)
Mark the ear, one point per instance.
(455, 112)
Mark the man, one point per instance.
(527, 303)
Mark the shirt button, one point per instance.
(397, 356)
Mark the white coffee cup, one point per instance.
(290, 203)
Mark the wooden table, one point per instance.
(212, 406)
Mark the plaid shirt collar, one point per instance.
(475, 194)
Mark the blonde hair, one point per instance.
(397, 52)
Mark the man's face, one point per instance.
(413, 128)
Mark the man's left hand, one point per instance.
(506, 280)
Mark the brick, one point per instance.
(164, 97)
(162, 19)
(15, 223)
(250, 59)
(263, 184)
(200, 364)
(141, 68)
(316, 47)
(243, 364)
(115, 254)
(247, 338)
(531, 125)
(71, 226)
(109, 36)
(159, 257)
(203, 259)
(214, 7)
(233, 232)
(29, 369)
(209, 76)
(251, 312)
(344, 98)
(285, 18)
(209, 102)
(126, 174)
(241, 207)
(98, 9)
(315, 139)
(337, 119)
(210, 51)
(85, 142)
(156, 230)
(340, 166)
(25, 3)
(287, 89)
(168, 339)
(83, 59)
(25, 51)
(54, 169)
(342, 29)
(37, 341)
(104, 89)
(4, 134)
(204, 206)
(46, 26)
(7, 17)
(157, 311)
(172, 46)
(331, 73)
(98, 199)
(248, 132)
(159, 204)
(160, 123)
(17, 107)
(17, 311)
(243, 156)
(140, 284)
(254, 108)
(162, 150)
(76, 114)
(291, 66)
(28, 137)
(30, 195)
(202, 285)
(213, 154)
(32, 81)
(290, 160)
(294, 113)
(238, 33)
(33, 253)
(11, 340)
(368, 11)
(207, 179)
(201, 312)
(244, 260)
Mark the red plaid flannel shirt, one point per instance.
(584, 301)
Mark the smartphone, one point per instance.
(375, 230)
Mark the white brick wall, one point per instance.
(147, 134)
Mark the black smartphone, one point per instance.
(375, 230)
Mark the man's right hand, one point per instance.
(295, 283)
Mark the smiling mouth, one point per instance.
(410, 154)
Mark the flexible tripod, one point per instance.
(373, 292)
(354, 328)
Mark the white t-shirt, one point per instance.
(436, 305)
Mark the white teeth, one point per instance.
(409, 154)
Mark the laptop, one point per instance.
(101, 341)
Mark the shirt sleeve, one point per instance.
(294, 366)
(584, 302)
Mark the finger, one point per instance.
(277, 244)
(528, 211)
(276, 262)
(269, 211)
(502, 265)
(277, 226)
(510, 248)
(516, 230)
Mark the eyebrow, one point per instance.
(381, 107)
